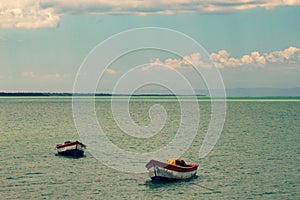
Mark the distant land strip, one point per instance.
(46, 94)
(230, 93)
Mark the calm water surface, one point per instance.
(256, 157)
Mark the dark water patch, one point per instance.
(275, 158)
(56, 183)
(34, 173)
(47, 194)
(128, 179)
(273, 193)
(17, 177)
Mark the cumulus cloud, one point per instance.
(193, 60)
(157, 64)
(26, 14)
(46, 13)
(112, 71)
(223, 59)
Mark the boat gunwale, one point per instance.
(59, 146)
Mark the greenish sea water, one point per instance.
(256, 157)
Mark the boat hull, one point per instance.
(74, 152)
(159, 171)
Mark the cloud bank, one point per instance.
(46, 13)
(290, 55)
(222, 59)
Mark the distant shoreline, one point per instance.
(230, 93)
(42, 94)
(108, 95)
(46, 94)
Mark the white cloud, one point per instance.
(260, 60)
(112, 71)
(162, 7)
(280, 56)
(222, 59)
(48, 76)
(157, 64)
(26, 14)
(55, 76)
(28, 74)
(291, 2)
(187, 62)
(46, 13)
(246, 59)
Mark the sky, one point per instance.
(253, 44)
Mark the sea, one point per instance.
(257, 155)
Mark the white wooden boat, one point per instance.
(174, 169)
(71, 148)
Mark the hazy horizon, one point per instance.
(230, 92)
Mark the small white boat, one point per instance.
(71, 148)
(174, 169)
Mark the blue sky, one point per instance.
(253, 43)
